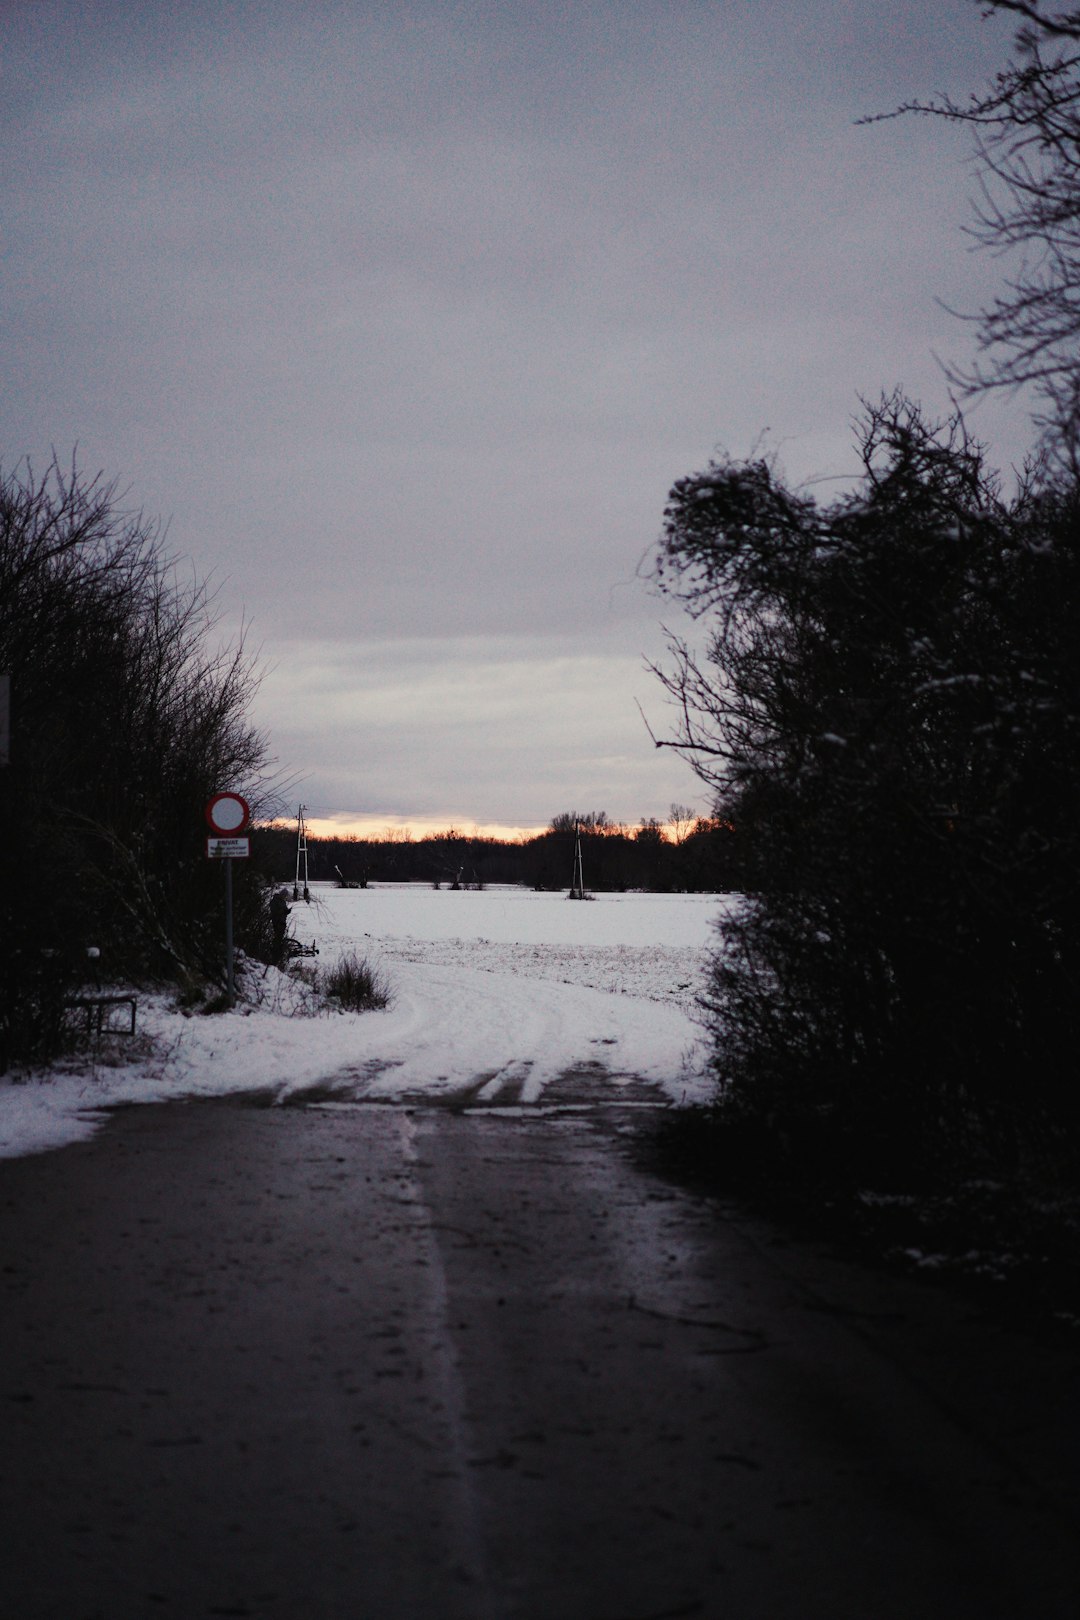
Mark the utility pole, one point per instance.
(577, 886)
(301, 855)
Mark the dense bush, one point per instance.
(126, 718)
(887, 709)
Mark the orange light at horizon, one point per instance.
(389, 828)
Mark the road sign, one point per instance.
(231, 849)
(228, 813)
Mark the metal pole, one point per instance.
(577, 887)
(228, 932)
(301, 855)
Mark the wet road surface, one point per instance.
(332, 1362)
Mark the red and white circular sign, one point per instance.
(227, 813)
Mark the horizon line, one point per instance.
(388, 829)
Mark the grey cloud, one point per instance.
(507, 724)
(409, 316)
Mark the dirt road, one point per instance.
(339, 1363)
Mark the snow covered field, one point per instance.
(495, 993)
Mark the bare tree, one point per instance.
(681, 819)
(1027, 142)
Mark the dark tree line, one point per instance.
(614, 857)
(125, 718)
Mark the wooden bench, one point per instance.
(97, 1010)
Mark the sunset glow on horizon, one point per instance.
(388, 828)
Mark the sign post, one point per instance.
(227, 815)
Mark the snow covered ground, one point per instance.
(498, 991)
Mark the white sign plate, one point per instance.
(230, 849)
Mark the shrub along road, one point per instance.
(327, 1363)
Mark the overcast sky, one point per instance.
(408, 316)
